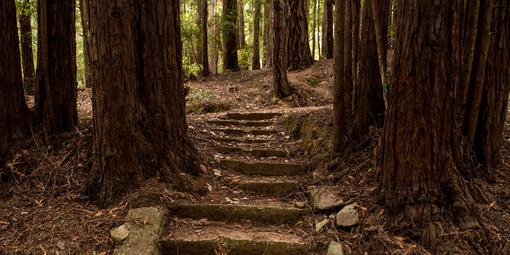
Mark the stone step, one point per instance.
(269, 186)
(240, 132)
(213, 240)
(264, 168)
(263, 212)
(260, 153)
(240, 140)
(252, 115)
(238, 123)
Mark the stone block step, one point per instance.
(240, 132)
(238, 123)
(263, 212)
(269, 186)
(240, 140)
(213, 240)
(260, 153)
(252, 115)
(264, 168)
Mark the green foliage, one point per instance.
(244, 57)
(190, 70)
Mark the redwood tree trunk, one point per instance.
(424, 161)
(268, 34)
(240, 25)
(140, 126)
(282, 86)
(368, 101)
(214, 38)
(339, 83)
(299, 55)
(25, 26)
(84, 15)
(327, 32)
(204, 52)
(230, 61)
(13, 109)
(56, 70)
(255, 63)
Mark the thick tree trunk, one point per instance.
(339, 83)
(282, 86)
(356, 9)
(84, 15)
(314, 25)
(214, 38)
(255, 62)
(230, 61)
(56, 70)
(14, 114)
(204, 52)
(368, 101)
(240, 25)
(299, 55)
(25, 26)
(424, 160)
(327, 32)
(142, 132)
(268, 34)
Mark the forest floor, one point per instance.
(43, 209)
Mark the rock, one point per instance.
(348, 216)
(145, 226)
(119, 234)
(300, 204)
(335, 249)
(320, 225)
(326, 197)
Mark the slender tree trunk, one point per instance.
(255, 63)
(14, 114)
(204, 52)
(327, 32)
(214, 38)
(368, 102)
(299, 55)
(56, 70)
(25, 25)
(348, 54)
(282, 86)
(240, 25)
(268, 34)
(319, 29)
(380, 39)
(339, 83)
(314, 24)
(230, 32)
(84, 15)
(142, 132)
(424, 161)
(356, 9)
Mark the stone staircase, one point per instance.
(257, 211)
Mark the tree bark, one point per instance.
(56, 70)
(339, 83)
(299, 55)
(368, 101)
(255, 63)
(14, 114)
(84, 15)
(240, 25)
(424, 165)
(268, 34)
(314, 25)
(282, 86)
(204, 52)
(230, 32)
(380, 39)
(25, 25)
(327, 30)
(356, 8)
(214, 38)
(140, 128)
(348, 54)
